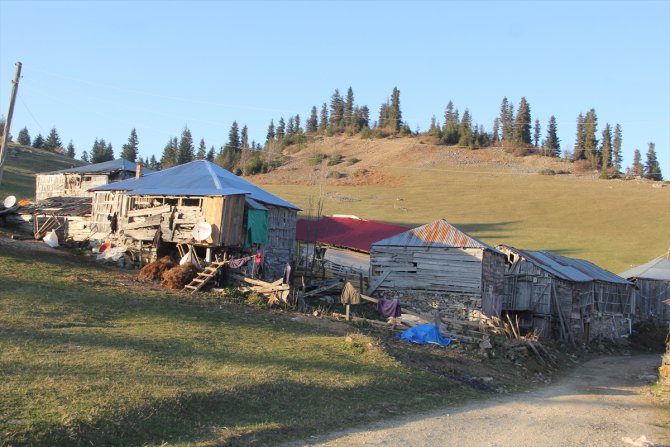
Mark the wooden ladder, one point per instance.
(203, 277)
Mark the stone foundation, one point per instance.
(458, 307)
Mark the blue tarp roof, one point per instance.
(106, 166)
(197, 178)
(569, 269)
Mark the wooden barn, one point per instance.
(652, 288)
(566, 298)
(342, 242)
(438, 265)
(75, 182)
(241, 215)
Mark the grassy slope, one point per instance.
(614, 223)
(18, 177)
(91, 358)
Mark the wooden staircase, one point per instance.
(204, 276)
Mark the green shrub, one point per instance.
(316, 159)
(335, 175)
(353, 161)
(547, 172)
(335, 159)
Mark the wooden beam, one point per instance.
(378, 282)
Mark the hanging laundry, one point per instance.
(350, 295)
(239, 262)
(389, 308)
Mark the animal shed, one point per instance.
(75, 182)
(178, 198)
(438, 265)
(652, 289)
(565, 297)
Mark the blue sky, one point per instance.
(97, 69)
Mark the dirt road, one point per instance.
(601, 403)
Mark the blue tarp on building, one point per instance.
(197, 178)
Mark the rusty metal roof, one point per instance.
(569, 269)
(435, 234)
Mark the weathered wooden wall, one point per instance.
(589, 310)
(281, 240)
(434, 269)
(649, 299)
(72, 185)
(493, 282)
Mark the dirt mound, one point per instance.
(648, 336)
(155, 270)
(177, 277)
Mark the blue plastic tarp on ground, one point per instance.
(424, 333)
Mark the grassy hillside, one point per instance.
(489, 193)
(91, 357)
(23, 162)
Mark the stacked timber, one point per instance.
(176, 222)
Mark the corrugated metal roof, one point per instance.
(435, 234)
(197, 178)
(119, 164)
(658, 269)
(345, 231)
(569, 269)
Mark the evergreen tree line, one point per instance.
(51, 143)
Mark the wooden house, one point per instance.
(76, 182)
(240, 214)
(342, 242)
(438, 265)
(565, 297)
(652, 289)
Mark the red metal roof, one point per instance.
(348, 232)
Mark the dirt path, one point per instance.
(601, 403)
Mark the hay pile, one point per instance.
(177, 277)
(155, 270)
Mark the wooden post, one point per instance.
(8, 121)
(360, 283)
(348, 317)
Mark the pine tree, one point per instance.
(38, 142)
(312, 124)
(349, 108)
(638, 168)
(24, 137)
(536, 133)
(130, 149)
(233, 144)
(53, 140)
(507, 120)
(296, 122)
(185, 149)
(552, 143)
(211, 154)
(384, 112)
(434, 130)
(395, 114)
(616, 150)
(290, 126)
(202, 150)
(323, 119)
(522, 124)
(281, 129)
(153, 163)
(450, 134)
(495, 132)
(109, 152)
(652, 169)
(336, 111)
(84, 157)
(140, 161)
(606, 151)
(270, 136)
(99, 151)
(590, 141)
(244, 138)
(465, 130)
(70, 150)
(580, 140)
(169, 157)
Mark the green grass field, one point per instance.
(615, 224)
(22, 163)
(91, 358)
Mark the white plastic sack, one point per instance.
(51, 239)
(113, 253)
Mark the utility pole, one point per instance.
(5, 135)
